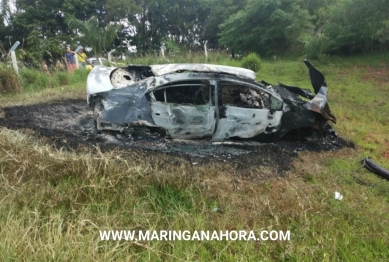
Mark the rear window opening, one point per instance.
(234, 94)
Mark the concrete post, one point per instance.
(13, 56)
(110, 56)
(76, 56)
(206, 51)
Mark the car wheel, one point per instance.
(97, 108)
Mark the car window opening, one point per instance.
(242, 96)
(185, 93)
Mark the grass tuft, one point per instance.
(35, 80)
(9, 81)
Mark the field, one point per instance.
(57, 193)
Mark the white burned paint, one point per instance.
(184, 121)
(247, 123)
(159, 70)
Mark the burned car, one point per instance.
(190, 101)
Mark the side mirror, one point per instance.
(275, 104)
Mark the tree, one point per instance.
(117, 10)
(352, 26)
(180, 20)
(84, 9)
(92, 34)
(266, 26)
(41, 48)
(39, 15)
(215, 12)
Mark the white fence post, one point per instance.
(162, 48)
(13, 56)
(110, 56)
(206, 51)
(76, 56)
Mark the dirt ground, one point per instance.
(69, 124)
(379, 75)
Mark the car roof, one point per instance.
(164, 69)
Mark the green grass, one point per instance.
(33, 80)
(53, 203)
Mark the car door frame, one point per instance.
(234, 121)
(184, 121)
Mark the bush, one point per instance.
(315, 47)
(251, 61)
(9, 81)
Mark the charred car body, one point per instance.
(190, 101)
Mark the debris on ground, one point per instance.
(338, 196)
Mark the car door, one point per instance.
(185, 109)
(246, 111)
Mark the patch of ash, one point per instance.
(69, 124)
(329, 141)
(155, 142)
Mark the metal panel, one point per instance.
(246, 123)
(184, 121)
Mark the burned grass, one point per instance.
(68, 124)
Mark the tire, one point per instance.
(97, 108)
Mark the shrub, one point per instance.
(315, 47)
(9, 81)
(251, 61)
